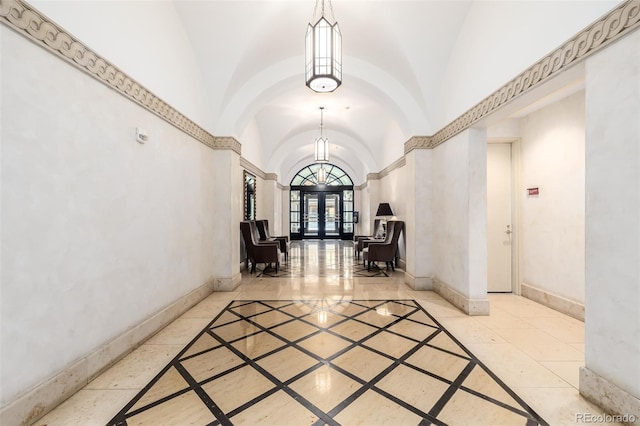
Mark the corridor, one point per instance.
(322, 344)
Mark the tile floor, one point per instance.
(357, 350)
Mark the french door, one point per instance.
(321, 213)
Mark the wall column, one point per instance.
(419, 219)
(459, 211)
(370, 202)
(271, 209)
(611, 376)
(227, 213)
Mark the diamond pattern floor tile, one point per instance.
(323, 362)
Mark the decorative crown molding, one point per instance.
(27, 21)
(271, 176)
(226, 142)
(391, 167)
(373, 176)
(617, 23)
(249, 166)
(417, 142)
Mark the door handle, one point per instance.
(508, 231)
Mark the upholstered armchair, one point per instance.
(263, 230)
(266, 252)
(385, 250)
(361, 241)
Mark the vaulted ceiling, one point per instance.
(395, 54)
(410, 67)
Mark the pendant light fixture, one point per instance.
(323, 53)
(321, 175)
(322, 143)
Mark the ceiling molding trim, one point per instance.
(361, 187)
(373, 176)
(225, 142)
(391, 167)
(29, 22)
(417, 142)
(620, 21)
(252, 168)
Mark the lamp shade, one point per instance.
(384, 209)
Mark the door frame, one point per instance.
(517, 195)
(322, 213)
(333, 189)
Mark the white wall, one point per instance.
(612, 323)
(146, 40)
(99, 232)
(553, 160)
(486, 55)
(251, 149)
(286, 214)
(459, 213)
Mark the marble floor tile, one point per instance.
(568, 371)
(136, 369)
(88, 407)
(540, 345)
(514, 366)
(333, 348)
(179, 332)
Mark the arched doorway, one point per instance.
(321, 211)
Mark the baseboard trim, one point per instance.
(418, 283)
(621, 405)
(401, 264)
(227, 284)
(550, 300)
(469, 306)
(46, 396)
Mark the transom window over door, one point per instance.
(321, 210)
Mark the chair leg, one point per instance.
(369, 266)
(392, 267)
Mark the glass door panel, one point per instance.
(311, 214)
(332, 215)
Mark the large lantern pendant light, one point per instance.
(322, 144)
(323, 53)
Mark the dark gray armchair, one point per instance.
(263, 230)
(266, 252)
(360, 242)
(385, 250)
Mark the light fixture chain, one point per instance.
(315, 10)
(333, 17)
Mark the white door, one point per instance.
(499, 227)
